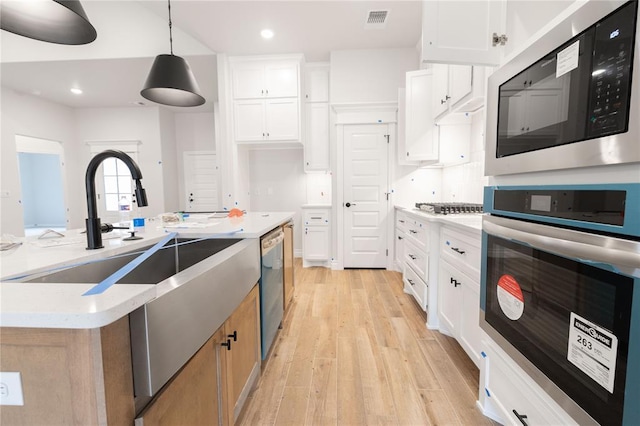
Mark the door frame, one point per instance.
(360, 113)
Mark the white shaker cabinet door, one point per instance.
(316, 144)
(282, 119)
(450, 36)
(248, 80)
(281, 79)
(249, 120)
(421, 137)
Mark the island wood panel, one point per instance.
(192, 396)
(62, 375)
(243, 359)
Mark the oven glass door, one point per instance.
(570, 319)
(579, 91)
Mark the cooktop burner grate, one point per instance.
(449, 208)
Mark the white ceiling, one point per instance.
(112, 70)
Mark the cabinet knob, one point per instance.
(262, 91)
(407, 153)
(234, 335)
(442, 101)
(399, 237)
(412, 257)
(411, 282)
(457, 250)
(454, 282)
(227, 344)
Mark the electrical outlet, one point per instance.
(11, 389)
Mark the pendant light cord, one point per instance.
(170, 33)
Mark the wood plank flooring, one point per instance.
(354, 350)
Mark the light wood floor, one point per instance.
(354, 350)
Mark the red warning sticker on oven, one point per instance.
(510, 297)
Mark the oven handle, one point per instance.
(623, 255)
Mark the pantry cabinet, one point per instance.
(421, 132)
(449, 36)
(316, 119)
(266, 93)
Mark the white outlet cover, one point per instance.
(11, 389)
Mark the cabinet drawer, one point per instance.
(418, 234)
(316, 218)
(509, 390)
(417, 259)
(402, 221)
(417, 287)
(461, 250)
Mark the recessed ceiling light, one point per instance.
(266, 33)
(76, 91)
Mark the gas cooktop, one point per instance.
(449, 208)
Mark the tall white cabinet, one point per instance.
(266, 98)
(316, 123)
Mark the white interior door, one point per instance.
(201, 181)
(365, 199)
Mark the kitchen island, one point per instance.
(74, 352)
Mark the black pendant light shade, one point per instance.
(171, 82)
(54, 21)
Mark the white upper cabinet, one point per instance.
(457, 88)
(421, 133)
(462, 32)
(316, 123)
(316, 83)
(265, 78)
(266, 93)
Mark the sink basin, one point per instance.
(166, 262)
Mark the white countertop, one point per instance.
(469, 222)
(63, 306)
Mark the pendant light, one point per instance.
(54, 21)
(170, 81)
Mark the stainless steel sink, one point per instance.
(200, 282)
(176, 256)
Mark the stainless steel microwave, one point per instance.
(572, 98)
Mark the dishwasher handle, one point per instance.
(271, 241)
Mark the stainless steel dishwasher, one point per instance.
(271, 287)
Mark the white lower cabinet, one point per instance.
(414, 240)
(459, 290)
(459, 305)
(513, 398)
(315, 238)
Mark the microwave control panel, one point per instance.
(611, 72)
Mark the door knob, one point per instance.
(349, 204)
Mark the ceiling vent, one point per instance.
(376, 19)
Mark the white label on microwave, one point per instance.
(510, 297)
(593, 350)
(567, 60)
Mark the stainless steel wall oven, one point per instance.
(560, 292)
(572, 98)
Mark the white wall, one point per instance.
(369, 75)
(170, 160)
(278, 184)
(121, 124)
(30, 116)
(413, 185)
(194, 132)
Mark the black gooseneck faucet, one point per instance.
(94, 234)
